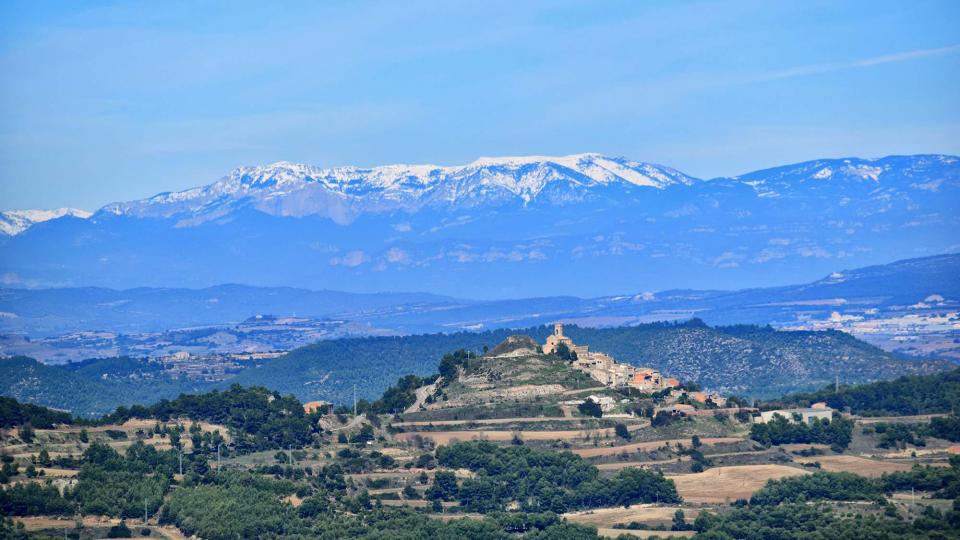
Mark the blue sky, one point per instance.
(111, 101)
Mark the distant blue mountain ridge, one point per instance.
(585, 225)
(901, 286)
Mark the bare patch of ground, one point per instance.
(422, 393)
(522, 392)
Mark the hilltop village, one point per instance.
(604, 369)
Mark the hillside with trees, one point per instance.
(907, 395)
(745, 360)
(288, 474)
(91, 388)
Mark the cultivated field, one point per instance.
(58, 525)
(515, 420)
(445, 437)
(617, 533)
(649, 445)
(727, 484)
(901, 419)
(616, 466)
(870, 468)
(644, 513)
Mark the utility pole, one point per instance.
(354, 399)
(180, 454)
(836, 384)
(144, 511)
(218, 458)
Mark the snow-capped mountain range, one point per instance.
(15, 222)
(341, 193)
(585, 224)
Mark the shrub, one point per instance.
(120, 531)
(590, 408)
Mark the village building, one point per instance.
(704, 397)
(679, 408)
(555, 339)
(311, 407)
(606, 403)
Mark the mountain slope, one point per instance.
(15, 222)
(898, 286)
(94, 387)
(908, 395)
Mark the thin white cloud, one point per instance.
(397, 256)
(814, 69)
(350, 260)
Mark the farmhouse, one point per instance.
(704, 397)
(314, 406)
(606, 403)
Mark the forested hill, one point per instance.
(93, 387)
(748, 360)
(918, 394)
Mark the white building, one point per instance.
(606, 403)
(796, 415)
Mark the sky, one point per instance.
(114, 101)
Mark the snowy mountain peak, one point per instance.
(293, 189)
(925, 172)
(15, 222)
(343, 193)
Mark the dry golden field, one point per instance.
(617, 533)
(516, 420)
(727, 484)
(59, 524)
(650, 445)
(870, 468)
(445, 437)
(646, 513)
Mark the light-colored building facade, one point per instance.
(806, 416)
